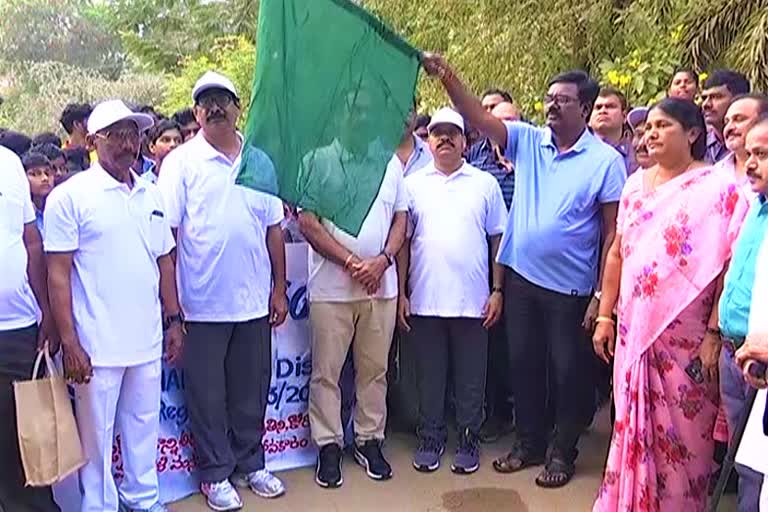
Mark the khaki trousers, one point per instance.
(367, 325)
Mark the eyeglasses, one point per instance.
(560, 99)
(126, 134)
(220, 99)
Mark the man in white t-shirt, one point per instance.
(231, 273)
(113, 295)
(353, 300)
(446, 306)
(22, 288)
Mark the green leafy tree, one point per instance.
(162, 35)
(35, 93)
(234, 57)
(69, 31)
(729, 33)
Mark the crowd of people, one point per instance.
(520, 268)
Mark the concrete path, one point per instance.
(411, 491)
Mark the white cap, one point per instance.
(446, 115)
(110, 112)
(213, 80)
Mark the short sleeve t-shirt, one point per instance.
(553, 234)
(18, 307)
(223, 266)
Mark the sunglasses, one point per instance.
(218, 98)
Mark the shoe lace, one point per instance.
(223, 486)
(468, 442)
(429, 444)
(329, 454)
(373, 451)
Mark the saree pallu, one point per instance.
(675, 242)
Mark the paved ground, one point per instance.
(410, 491)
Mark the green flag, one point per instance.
(332, 91)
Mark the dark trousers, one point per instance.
(462, 345)
(17, 355)
(227, 372)
(497, 391)
(549, 351)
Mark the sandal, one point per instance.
(516, 460)
(557, 473)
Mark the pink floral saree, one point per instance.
(675, 242)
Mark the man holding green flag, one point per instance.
(333, 88)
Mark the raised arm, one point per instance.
(466, 103)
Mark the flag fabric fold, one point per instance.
(332, 90)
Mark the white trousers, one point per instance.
(129, 399)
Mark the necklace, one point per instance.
(656, 175)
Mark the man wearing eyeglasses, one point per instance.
(112, 290)
(232, 288)
(561, 224)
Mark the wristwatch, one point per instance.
(169, 320)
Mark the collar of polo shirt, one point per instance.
(204, 148)
(110, 183)
(581, 144)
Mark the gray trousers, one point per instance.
(17, 355)
(458, 344)
(227, 372)
(733, 393)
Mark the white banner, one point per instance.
(287, 442)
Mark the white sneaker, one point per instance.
(262, 483)
(221, 496)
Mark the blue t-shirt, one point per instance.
(553, 232)
(736, 300)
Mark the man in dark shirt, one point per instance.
(716, 95)
(485, 155)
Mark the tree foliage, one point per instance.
(164, 34)
(516, 46)
(234, 57)
(729, 33)
(69, 31)
(37, 92)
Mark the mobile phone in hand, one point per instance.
(694, 371)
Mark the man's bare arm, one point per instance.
(322, 241)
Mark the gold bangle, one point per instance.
(605, 320)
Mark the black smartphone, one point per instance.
(694, 371)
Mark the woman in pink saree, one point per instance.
(676, 224)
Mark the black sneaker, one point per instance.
(370, 457)
(328, 471)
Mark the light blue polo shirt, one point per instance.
(554, 227)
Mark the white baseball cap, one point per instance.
(109, 112)
(213, 80)
(446, 115)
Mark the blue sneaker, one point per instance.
(467, 458)
(427, 457)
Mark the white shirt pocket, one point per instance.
(157, 234)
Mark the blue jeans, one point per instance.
(733, 393)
